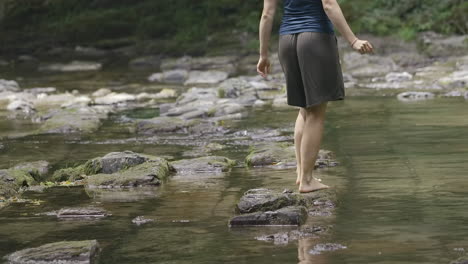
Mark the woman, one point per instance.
(309, 58)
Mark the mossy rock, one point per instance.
(69, 174)
(203, 165)
(150, 173)
(261, 200)
(72, 120)
(11, 180)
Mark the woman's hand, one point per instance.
(263, 66)
(363, 46)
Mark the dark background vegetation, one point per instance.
(196, 26)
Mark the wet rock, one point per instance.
(280, 101)
(21, 105)
(457, 79)
(69, 174)
(203, 164)
(37, 169)
(82, 213)
(454, 94)
(78, 101)
(40, 90)
(101, 92)
(256, 200)
(150, 173)
(46, 101)
(438, 45)
(172, 76)
(90, 51)
(140, 220)
(71, 120)
(115, 98)
(114, 162)
(65, 252)
(8, 86)
(398, 77)
(146, 63)
(163, 124)
(12, 180)
(320, 248)
(235, 87)
(361, 66)
(462, 260)
(415, 96)
(205, 77)
(164, 93)
(122, 195)
(409, 59)
(291, 215)
(184, 62)
(72, 66)
(156, 77)
(282, 155)
(221, 63)
(283, 238)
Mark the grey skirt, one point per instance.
(311, 65)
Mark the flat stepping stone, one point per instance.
(203, 165)
(64, 252)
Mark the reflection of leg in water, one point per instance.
(303, 247)
(297, 141)
(310, 144)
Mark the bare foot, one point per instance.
(311, 186)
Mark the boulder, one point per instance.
(438, 45)
(205, 77)
(37, 169)
(71, 66)
(64, 252)
(457, 79)
(203, 164)
(150, 173)
(114, 162)
(291, 215)
(415, 96)
(11, 181)
(362, 66)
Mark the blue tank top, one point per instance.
(304, 16)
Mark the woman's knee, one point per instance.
(314, 110)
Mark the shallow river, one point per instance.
(401, 184)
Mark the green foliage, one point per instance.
(188, 26)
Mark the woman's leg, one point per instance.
(298, 131)
(310, 146)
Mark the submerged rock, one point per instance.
(140, 220)
(81, 213)
(71, 66)
(282, 155)
(283, 238)
(64, 252)
(163, 124)
(415, 96)
(291, 215)
(72, 120)
(150, 173)
(319, 248)
(203, 165)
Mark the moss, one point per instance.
(69, 174)
(221, 92)
(93, 166)
(133, 176)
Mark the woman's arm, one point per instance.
(334, 13)
(266, 23)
